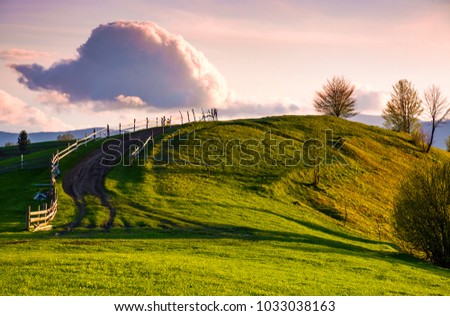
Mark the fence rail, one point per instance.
(138, 150)
(40, 219)
(24, 164)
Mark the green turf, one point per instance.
(234, 230)
(19, 187)
(43, 148)
(180, 263)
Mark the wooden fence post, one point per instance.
(107, 130)
(193, 114)
(134, 125)
(120, 129)
(189, 120)
(94, 133)
(28, 218)
(53, 188)
(39, 215)
(146, 123)
(45, 218)
(52, 168)
(181, 114)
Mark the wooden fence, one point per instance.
(135, 154)
(40, 219)
(24, 164)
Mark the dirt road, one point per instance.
(88, 176)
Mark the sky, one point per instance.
(77, 64)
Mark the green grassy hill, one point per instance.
(356, 190)
(233, 228)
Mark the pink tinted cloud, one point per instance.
(370, 101)
(132, 59)
(16, 114)
(53, 98)
(131, 101)
(240, 108)
(17, 55)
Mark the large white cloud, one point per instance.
(133, 62)
(15, 114)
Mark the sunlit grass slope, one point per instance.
(356, 189)
(235, 229)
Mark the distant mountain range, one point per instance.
(441, 134)
(38, 137)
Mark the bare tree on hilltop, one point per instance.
(437, 109)
(337, 98)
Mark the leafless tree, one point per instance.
(402, 111)
(337, 98)
(437, 109)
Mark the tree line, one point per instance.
(402, 111)
(421, 212)
(23, 140)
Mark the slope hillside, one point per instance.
(357, 182)
(243, 221)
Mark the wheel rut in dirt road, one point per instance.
(88, 176)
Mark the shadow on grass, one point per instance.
(325, 230)
(170, 223)
(174, 227)
(294, 241)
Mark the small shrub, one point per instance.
(447, 142)
(65, 137)
(422, 212)
(419, 138)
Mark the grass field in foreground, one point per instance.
(238, 231)
(180, 263)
